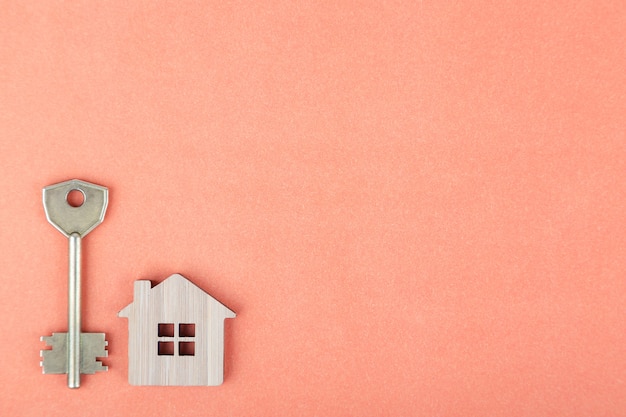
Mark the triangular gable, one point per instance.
(176, 280)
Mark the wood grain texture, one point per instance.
(175, 301)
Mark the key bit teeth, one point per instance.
(92, 346)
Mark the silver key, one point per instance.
(74, 352)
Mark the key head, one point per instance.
(81, 219)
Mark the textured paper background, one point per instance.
(416, 208)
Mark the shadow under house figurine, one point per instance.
(176, 334)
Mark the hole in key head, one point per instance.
(75, 198)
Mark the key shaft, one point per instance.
(73, 312)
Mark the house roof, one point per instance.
(177, 281)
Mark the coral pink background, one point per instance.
(416, 208)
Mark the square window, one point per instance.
(186, 348)
(187, 330)
(166, 348)
(166, 330)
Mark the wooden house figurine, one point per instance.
(176, 334)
